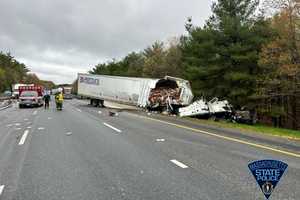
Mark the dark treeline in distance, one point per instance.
(12, 72)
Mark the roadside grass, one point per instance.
(257, 128)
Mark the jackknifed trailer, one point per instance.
(166, 94)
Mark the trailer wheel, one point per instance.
(101, 103)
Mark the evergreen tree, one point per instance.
(221, 59)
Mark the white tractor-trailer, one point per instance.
(168, 93)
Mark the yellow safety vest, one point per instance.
(60, 97)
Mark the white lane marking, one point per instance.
(17, 124)
(9, 125)
(78, 110)
(179, 164)
(41, 128)
(4, 107)
(99, 112)
(35, 112)
(160, 140)
(25, 119)
(18, 128)
(49, 117)
(29, 127)
(69, 133)
(110, 126)
(1, 188)
(23, 138)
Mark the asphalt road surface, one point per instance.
(83, 153)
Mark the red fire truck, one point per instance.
(30, 96)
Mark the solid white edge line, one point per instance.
(110, 126)
(23, 138)
(179, 164)
(1, 188)
(5, 107)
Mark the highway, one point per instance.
(83, 153)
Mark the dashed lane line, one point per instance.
(1, 189)
(78, 110)
(110, 126)
(179, 164)
(23, 138)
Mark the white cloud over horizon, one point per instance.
(57, 39)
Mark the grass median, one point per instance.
(257, 128)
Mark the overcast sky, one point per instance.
(57, 39)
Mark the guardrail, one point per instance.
(5, 98)
(5, 102)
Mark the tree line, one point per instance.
(249, 56)
(12, 72)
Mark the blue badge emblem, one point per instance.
(267, 174)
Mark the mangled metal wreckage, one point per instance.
(205, 109)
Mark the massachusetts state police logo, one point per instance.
(267, 188)
(267, 174)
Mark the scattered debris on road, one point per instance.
(113, 114)
(69, 133)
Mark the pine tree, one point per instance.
(221, 59)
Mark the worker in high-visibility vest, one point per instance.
(59, 99)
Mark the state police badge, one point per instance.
(267, 174)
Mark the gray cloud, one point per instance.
(58, 38)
